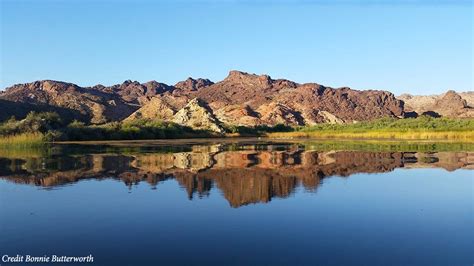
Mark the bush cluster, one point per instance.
(258, 130)
(33, 123)
(138, 129)
(51, 127)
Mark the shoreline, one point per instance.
(253, 139)
(278, 137)
(177, 145)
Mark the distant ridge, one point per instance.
(449, 104)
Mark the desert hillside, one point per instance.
(241, 99)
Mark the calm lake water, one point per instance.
(249, 202)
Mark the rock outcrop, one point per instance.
(191, 84)
(450, 104)
(237, 114)
(275, 113)
(196, 114)
(330, 118)
(469, 97)
(156, 108)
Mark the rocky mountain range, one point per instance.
(240, 99)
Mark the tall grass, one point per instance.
(415, 135)
(423, 128)
(26, 140)
(423, 123)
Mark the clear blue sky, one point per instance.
(416, 46)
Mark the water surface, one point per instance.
(249, 202)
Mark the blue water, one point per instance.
(400, 217)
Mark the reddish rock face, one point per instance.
(191, 84)
(133, 92)
(240, 99)
(99, 105)
(298, 101)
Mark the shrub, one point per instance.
(33, 123)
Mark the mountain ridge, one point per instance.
(241, 99)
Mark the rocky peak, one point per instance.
(276, 113)
(128, 82)
(236, 76)
(153, 87)
(191, 84)
(99, 87)
(451, 92)
(134, 91)
(50, 85)
(452, 99)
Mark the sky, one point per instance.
(404, 46)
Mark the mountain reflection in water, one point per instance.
(244, 176)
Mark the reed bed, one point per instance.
(26, 140)
(407, 135)
(422, 128)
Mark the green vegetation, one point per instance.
(423, 123)
(34, 123)
(39, 128)
(390, 128)
(139, 129)
(256, 130)
(22, 140)
(33, 131)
